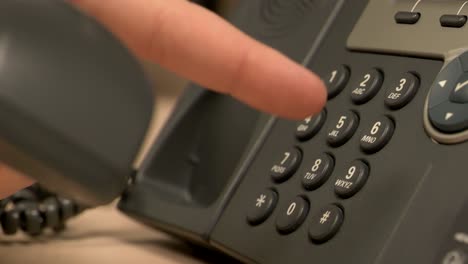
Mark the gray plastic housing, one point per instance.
(74, 103)
(209, 142)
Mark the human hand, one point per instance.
(202, 47)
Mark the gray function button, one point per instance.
(310, 126)
(459, 93)
(367, 86)
(456, 21)
(399, 94)
(286, 164)
(342, 129)
(326, 223)
(337, 80)
(262, 206)
(352, 180)
(318, 172)
(445, 82)
(404, 17)
(292, 215)
(449, 117)
(377, 135)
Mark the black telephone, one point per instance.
(377, 177)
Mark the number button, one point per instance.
(337, 80)
(342, 129)
(367, 87)
(292, 215)
(326, 223)
(286, 165)
(352, 180)
(307, 128)
(262, 206)
(401, 93)
(319, 172)
(377, 135)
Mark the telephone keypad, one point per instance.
(367, 86)
(337, 80)
(292, 215)
(307, 128)
(343, 128)
(401, 93)
(286, 165)
(377, 135)
(349, 182)
(319, 170)
(262, 206)
(326, 223)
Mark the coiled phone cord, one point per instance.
(34, 210)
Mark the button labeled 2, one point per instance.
(367, 87)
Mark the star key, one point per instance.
(261, 206)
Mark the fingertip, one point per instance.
(310, 98)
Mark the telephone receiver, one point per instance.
(377, 177)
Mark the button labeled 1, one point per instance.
(337, 80)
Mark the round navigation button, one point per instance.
(445, 83)
(449, 117)
(286, 165)
(326, 223)
(292, 215)
(262, 206)
(307, 128)
(398, 95)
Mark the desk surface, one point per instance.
(103, 236)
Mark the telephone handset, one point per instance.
(377, 177)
